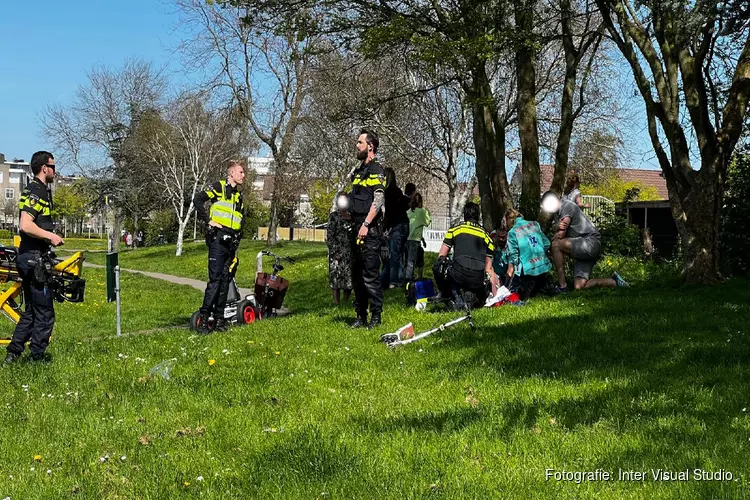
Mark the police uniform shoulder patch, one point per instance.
(33, 198)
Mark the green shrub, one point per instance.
(256, 214)
(735, 237)
(5, 234)
(619, 237)
(161, 220)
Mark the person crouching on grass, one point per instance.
(576, 236)
(472, 260)
(526, 251)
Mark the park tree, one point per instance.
(186, 147)
(70, 206)
(581, 32)
(691, 64)
(596, 155)
(263, 65)
(460, 37)
(424, 123)
(92, 132)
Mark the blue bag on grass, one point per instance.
(419, 290)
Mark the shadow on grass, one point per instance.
(662, 372)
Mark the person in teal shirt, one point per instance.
(527, 255)
(500, 260)
(419, 218)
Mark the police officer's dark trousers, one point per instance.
(366, 271)
(220, 257)
(455, 279)
(38, 318)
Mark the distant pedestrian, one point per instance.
(129, 240)
(573, 191)
(419, 218)
(397, 226)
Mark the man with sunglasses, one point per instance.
(36, 227)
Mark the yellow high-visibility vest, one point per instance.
(226, 210)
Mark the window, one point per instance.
(10, 194)
(14, 179)
(1, 176)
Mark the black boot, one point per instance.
(375, 322)
(360, 322)
(11, 358)
(221, 325)
(41, 358)
(204, 328)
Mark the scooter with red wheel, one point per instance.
(266, 300)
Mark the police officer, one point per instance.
(471, 266)
(366, 201)
(36, 226)
(223, 236)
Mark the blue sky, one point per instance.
(47, 47)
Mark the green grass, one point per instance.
(655, 376)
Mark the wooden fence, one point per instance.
(299, 234)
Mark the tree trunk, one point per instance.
(489, 147)
(562, 150)
(500, 186)
(698, 218)
(526, 105)
(484, 162)
(273, 223)
(180, 236)
(115, 236)
(459, 200)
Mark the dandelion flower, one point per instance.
(37, 458)
(211, 362)
(278, 353)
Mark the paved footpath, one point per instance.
(178, 280)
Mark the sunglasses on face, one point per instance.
(49, 166)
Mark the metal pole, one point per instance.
(117, 292)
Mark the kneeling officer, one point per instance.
(36, 227)
(223, 237)
(471, 268)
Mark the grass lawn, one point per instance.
(651, 377)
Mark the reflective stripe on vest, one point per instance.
(223, 209)
(373, 180)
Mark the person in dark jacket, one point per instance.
(397, 227)
(366, 201)
(37, 234)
